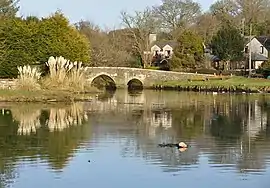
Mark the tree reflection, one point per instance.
(7, 167)
(49, 133)
(231, 131)
(226, 127)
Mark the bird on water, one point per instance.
(179, 145)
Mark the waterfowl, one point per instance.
(179, 145)
(182, 145)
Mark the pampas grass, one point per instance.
(28, 78)
(65, 75)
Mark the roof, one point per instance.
(211, 57)
(265, 41)
(258, 57)
(161, 44)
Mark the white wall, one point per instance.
(256, 47)
(167, 47)
(258, 64)
(154, 49)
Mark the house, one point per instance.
(164, 48)
(161, 51)
(260, 50)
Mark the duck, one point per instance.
(179, 145)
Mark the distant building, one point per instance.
(164, 48)
(260, 52)
(161, 51)
(260, 47)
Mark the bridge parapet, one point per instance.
(123, 75)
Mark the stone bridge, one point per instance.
(124, 76)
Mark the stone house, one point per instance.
(260, 50)
(165, 48)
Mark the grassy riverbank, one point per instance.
(218, 84)
(44, 96)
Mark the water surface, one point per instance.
(112, 141)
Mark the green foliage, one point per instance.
(189, 51)
(30, 40)
(228, 43)
(266, 65)
(264, 69)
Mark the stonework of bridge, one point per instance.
(122, 76)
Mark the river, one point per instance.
(113, 141)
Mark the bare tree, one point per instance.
(139, 27)
(175, 14)
(253, 10)
(8, 8)
(241, 12)
(206, 25)
(103, 51)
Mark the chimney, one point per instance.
(152, 38)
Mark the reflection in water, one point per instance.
(34, 132)
(229, 133)
(28, 118)
(226, 128)
(61, 118)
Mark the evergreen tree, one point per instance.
(30, 40)
(189, 51)
(228, 44)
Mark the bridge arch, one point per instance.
(135, 83)
(103, 80)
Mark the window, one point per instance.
(262, 48)
(246, 49)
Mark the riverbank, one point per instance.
(44, 96)
(218, 84)
(230, 84)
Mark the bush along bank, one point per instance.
(228, 84)
(65, 82)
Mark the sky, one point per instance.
(105, 13)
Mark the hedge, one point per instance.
(33, 41)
